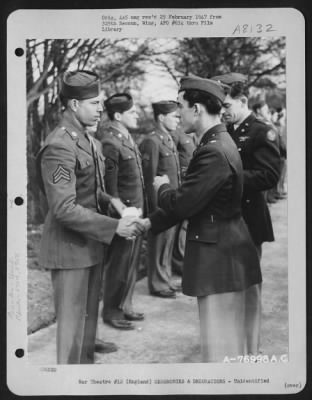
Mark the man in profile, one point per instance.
(76, 229)
(159, 156)
(221, 265)
(258, 147)
(124, 180)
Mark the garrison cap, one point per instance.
(205, 85)
(80, 85)
(231, 77)
(164, 106)
(119, 102)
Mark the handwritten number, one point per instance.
(269, 28)
(259, 26)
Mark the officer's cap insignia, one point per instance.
(61, 173)
(271, 135)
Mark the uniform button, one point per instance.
(129, 157)
(243, 130)
(247, 201)
(196, 237)
(167, 154)
(239, 149)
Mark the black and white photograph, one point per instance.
(158, 249)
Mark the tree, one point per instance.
(254, 56)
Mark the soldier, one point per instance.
(159, 157)
(123, 179)
(257, 143)
(221, 264)
(70, 172)
(186, 145)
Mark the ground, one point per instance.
(170, 333)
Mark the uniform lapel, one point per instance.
(76, 133)
(120, 135)
(164, 139)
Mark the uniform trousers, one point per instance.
(76, 298)
(253, 314)
(179, 248)
(223, 325)
(120, 276)
(159, 258)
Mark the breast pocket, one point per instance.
(127, 155)
(165, 158)
(85, 163)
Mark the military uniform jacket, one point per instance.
(185, 144)
(123, 176)
(70, 173)
(257, 143)
(219, 253)
(159, 157)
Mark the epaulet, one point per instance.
(72, 134)
(112, 134)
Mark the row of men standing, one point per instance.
(168, 151)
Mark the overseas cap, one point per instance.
(164, 106)
(205, 85)
(119, 102)
(231, 77)
(80, 85)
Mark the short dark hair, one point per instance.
(64, 100)
(238, 89)
(257, 106)
(111, 115)
(211, 103)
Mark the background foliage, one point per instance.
(134, 64)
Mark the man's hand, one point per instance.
(118, 205)
(129, 227)
(146, 223)
(160, 180)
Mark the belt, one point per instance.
(217, 218)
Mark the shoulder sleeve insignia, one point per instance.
(61, 173)
(271, 135)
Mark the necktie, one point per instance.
(99, 182)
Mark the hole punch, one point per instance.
(19, 353)
(19, 52)
(18, 201)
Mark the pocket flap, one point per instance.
(207, 233)
(84, 162)
(126, 155)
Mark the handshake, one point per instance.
(130, 224)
